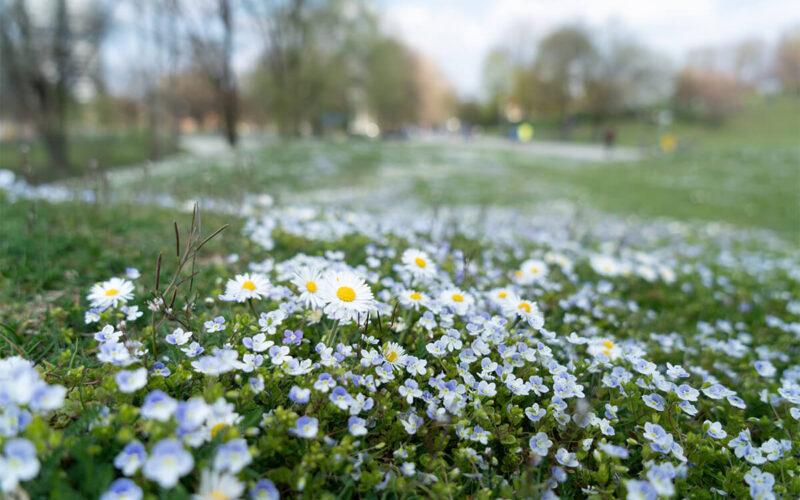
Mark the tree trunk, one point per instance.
(57, 150)
(230, 113)
(229, 95)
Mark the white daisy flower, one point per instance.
(214, 486)
(499, 297)
(394, 354)
(246, 286)
(418, 264)
(110, 293)
(346, 295)
(308, 280)
(605, 265)
(525, 309)
(411, 299)
(531, 271)
(457, 300)
(607, 347)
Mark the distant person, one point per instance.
(610, 137)
(668, 143)
(524, 132)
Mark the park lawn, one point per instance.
(748, 186)
(761, 121)
(110, 150)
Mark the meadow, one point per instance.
(408, 320)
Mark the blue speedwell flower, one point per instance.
(232, 456)
(130, 458)
(167, 463)
(306, 427)
(122, 489)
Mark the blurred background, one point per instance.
(688, 109)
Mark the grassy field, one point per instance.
(604, 305)
(759, 121)
(113, 150)
(746, 173)
(53, 254)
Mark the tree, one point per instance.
(625, 76)
(211, 37)
(390, 89)
(750, 61)
(562, 69)
(707, 94)
(302, 71)
(787, 61)
(42, 58)
(433, 98)
(498, 81)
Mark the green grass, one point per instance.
(50, 254)
(110, 150)
(745, 173)
(760, 121)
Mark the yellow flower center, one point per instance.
(346, 294)
(502, 295)
(311, 286)
(458, 297)
(608, 344)
(248, 285)
(111, 292)
(606, 352)
(218, 495)
(518, 273)
(535, 270)
(525, 307)
(416, 296)
(216, 429)
(391, 356)
(420, 262)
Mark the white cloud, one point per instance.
(458, 34)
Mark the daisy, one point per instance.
(418, 264)
(531, 271)
(457, 300)
(606, 347)
(308, 280)
(246, 286)
(499, 297)
(110, 293)
(525, 309)
(605, 265)
(411, 299)
(215, 486)
(346, 295)
(394, 354)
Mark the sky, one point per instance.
(458, 34)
